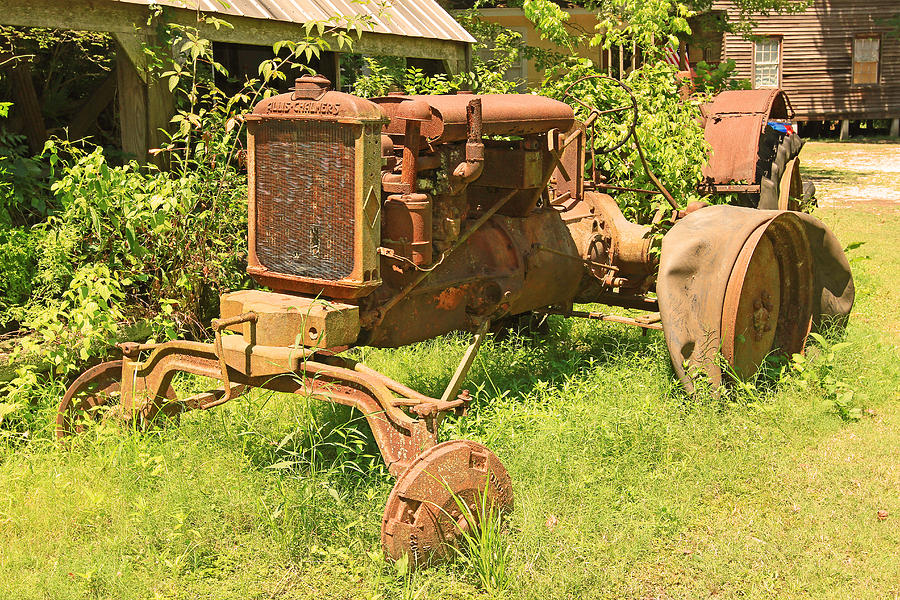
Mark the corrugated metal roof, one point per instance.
(411, 18)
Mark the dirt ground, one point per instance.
(858, 193)
(854, 173)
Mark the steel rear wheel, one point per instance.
(422, 518)
(768, 300)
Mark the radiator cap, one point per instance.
(311, 87)
(312, 99)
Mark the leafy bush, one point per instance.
(68, 66)
(24, 192)
(712, 79)
(381, 75)
(667, 129)
(496, 50)
(17, 257)
(819, 371)
(162, 234)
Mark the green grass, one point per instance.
(624, 487)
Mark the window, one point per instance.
(712, 54)
(767, 63)
(866, 52)
(518, 70)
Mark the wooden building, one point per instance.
(616, 61)
(525, 71)
(838, 60)
(418, 29)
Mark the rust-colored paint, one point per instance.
(407, 228)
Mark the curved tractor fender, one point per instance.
(739, 284)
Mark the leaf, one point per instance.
(334, 494)
(402, 565)
(8, 408)
(819, 338)
(845, 398)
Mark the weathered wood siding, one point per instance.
(817, 58)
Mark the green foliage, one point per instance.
(23, 188)
(495, 51)
(18, 257)
(386, 74)
(161, 234)
(821, 372)
(484, 545)
(667, 128)
(651, 23)
(382, 75)
(667, 124)
(79, 324)
(647, 23)
(67, 67)
(550, 21)
(712, 79)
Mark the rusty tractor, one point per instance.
(389, 221)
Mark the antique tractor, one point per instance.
(395, 220)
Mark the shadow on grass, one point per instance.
(316, 437)
(518, 363)
(831, 175)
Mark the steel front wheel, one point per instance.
(427, 510)
(93, 396)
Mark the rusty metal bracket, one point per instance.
(463, 368)
(230, 391)
(643, 322)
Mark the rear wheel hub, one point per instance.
(768, 299)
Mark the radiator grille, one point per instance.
(305, 191)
